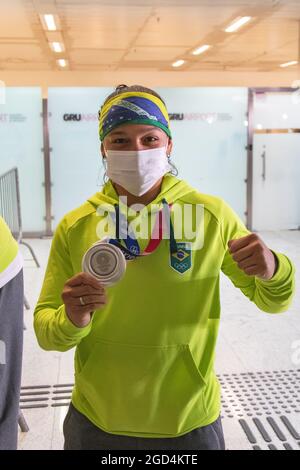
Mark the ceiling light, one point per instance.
(50, 22)
(178, 63)
(238, 23)
(56, 46)
(62, 62)
(201, 49)
(287, 64)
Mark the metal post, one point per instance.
(250, 159)
(47, 169)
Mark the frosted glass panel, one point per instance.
(276, 175)
(209, 142)
(275, 110)
(76, 162)
(21, 138)
(210, 136)
(276, 161)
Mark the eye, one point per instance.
(151, 138)
(120, 140)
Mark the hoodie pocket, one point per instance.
(142, 389)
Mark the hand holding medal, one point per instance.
(106, 259)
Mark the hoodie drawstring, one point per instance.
(117, 213)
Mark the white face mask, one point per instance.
(137, 170)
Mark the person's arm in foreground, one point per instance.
(11, 336)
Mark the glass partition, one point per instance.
(21, 142)
(209, 133)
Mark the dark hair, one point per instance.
(124, 88)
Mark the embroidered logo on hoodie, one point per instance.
(181, 261)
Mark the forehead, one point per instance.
(134, 130)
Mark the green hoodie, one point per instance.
(11, 261)
(144, 366)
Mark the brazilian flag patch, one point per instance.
(181, 261)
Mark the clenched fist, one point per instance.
(82, 294)
(253, 256)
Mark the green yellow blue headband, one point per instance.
(134, 107)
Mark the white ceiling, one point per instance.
(150, 34)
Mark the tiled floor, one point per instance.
(250, 341)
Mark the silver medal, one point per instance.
(105, 262)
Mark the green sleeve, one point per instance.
(52, 326)
(272, 296)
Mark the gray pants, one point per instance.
(11, 337)
(81, 434)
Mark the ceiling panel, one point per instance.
(170, 3)
(101, 39)
(26, 52)
(95, 56)
(154, 53)
(14, 22)
(182, 26)
(266, 36)
(150, 34)
(104, 17)
(21, 65)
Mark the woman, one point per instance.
(144, 361)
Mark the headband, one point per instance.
(133, 108)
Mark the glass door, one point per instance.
(276, 160)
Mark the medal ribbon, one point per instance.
(132, 249)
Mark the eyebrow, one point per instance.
(118, 133)
(125, 133)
